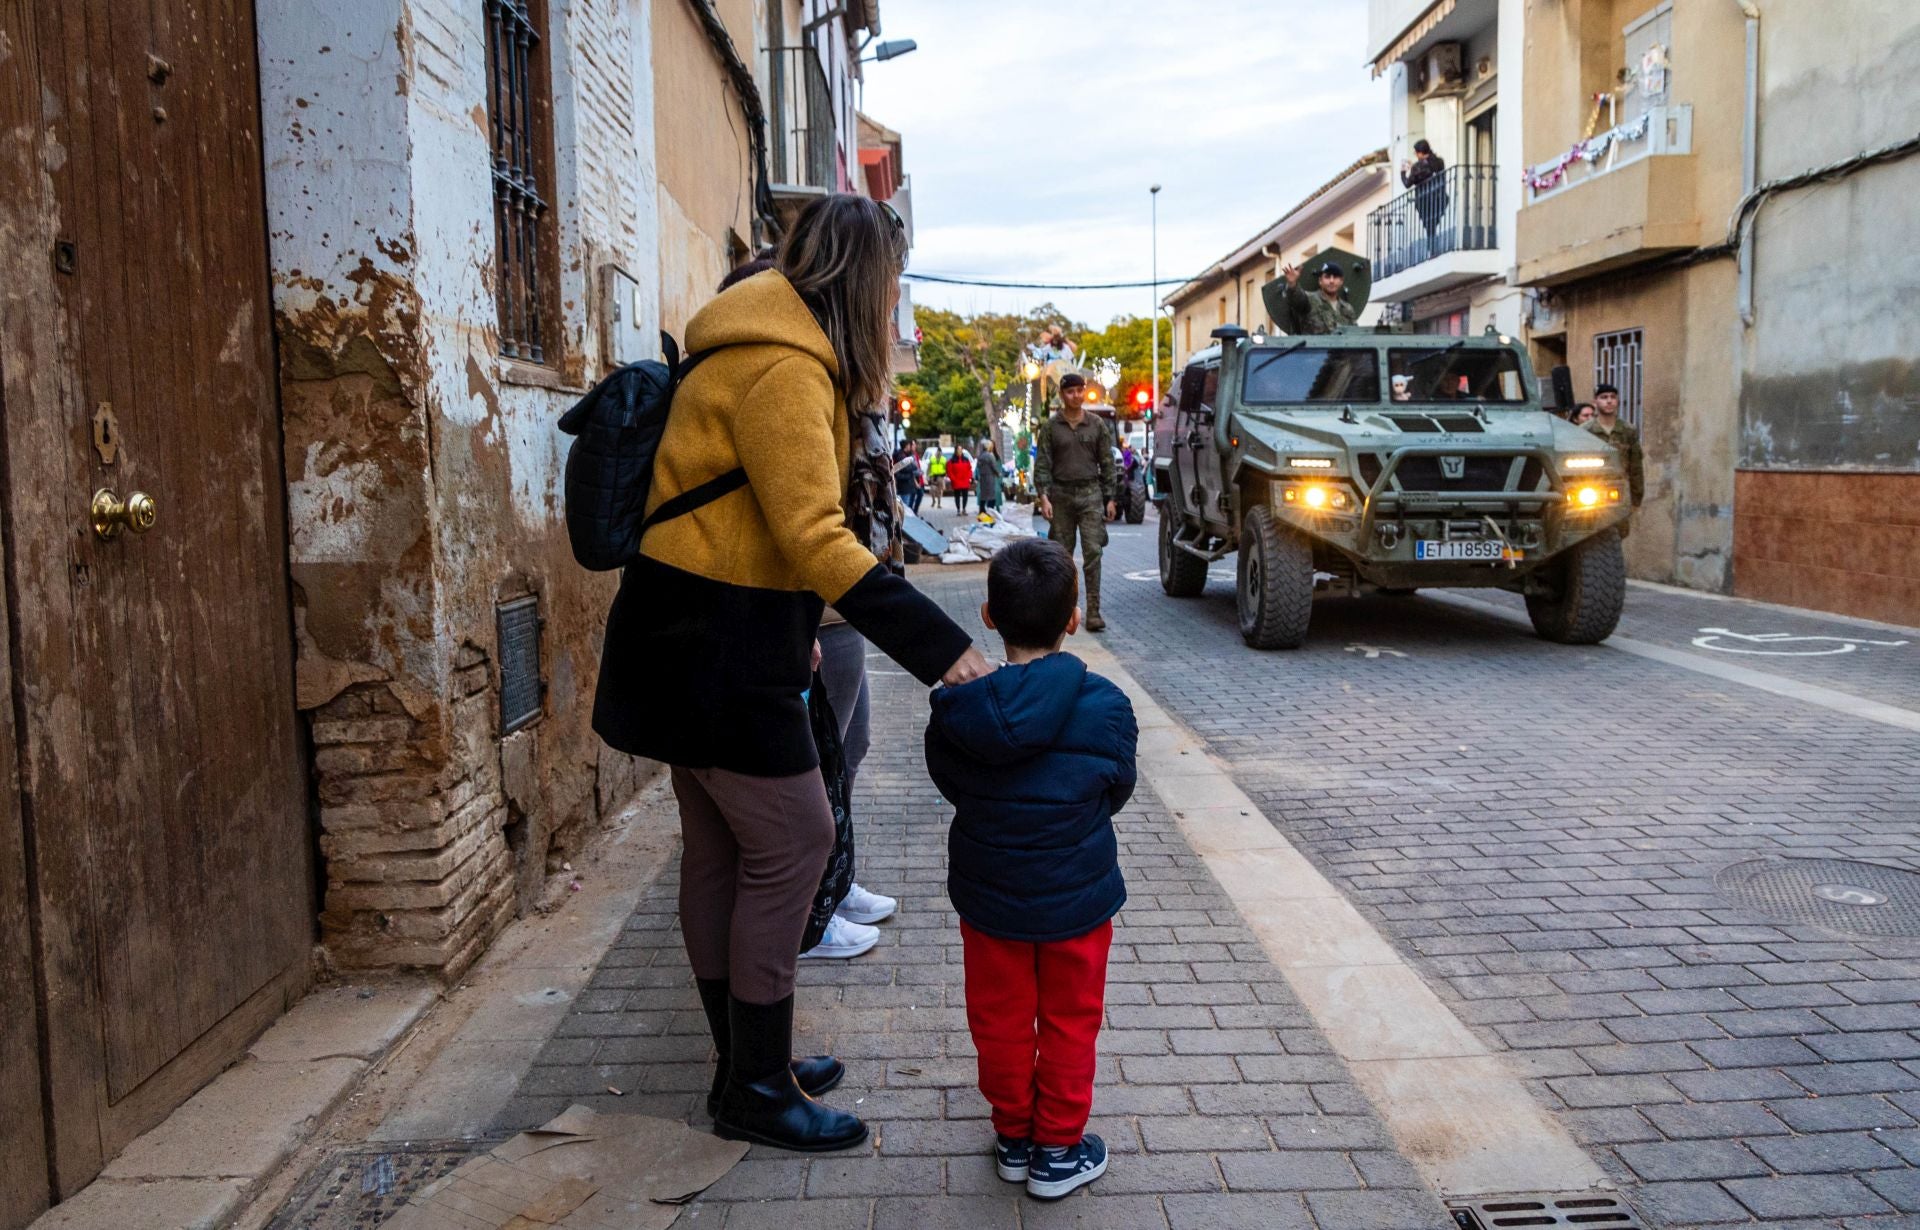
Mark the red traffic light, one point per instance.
(1143, 397)
(906, 405)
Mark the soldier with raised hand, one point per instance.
(1324, 312)
(1073, 472)
(1607, 424)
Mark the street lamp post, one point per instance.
(1154, 193)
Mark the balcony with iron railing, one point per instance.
(1439, 233)
(805, 144)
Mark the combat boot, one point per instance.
(1094, 622)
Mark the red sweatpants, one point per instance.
(1034, 1010)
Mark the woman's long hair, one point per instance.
(844, 256)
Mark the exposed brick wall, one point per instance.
(424, 479)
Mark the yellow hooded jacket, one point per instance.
(708, 642)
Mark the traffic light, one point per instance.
(906, 407)
(1143, 398)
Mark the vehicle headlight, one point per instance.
(1316, 497)
(1590, 497)
(1311, 463)
(1583, 463)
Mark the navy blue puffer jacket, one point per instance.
(1035, 760)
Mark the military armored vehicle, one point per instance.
(1373, 461)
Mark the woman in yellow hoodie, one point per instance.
(709, 643)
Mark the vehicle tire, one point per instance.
(1593, 587)
(1182, 574)
(1135, 507)
(1276, 583)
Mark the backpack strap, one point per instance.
(697, 497)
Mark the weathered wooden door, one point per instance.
(161, 781)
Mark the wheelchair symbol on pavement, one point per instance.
(1784, 644)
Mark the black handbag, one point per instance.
(838, 877)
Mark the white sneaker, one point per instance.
(862, 906)
(844, 939)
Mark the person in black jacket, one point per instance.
(1424, 176)
(1035, 758)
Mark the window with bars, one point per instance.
(519, 110)
(1617, 360)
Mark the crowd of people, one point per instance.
(748, 613)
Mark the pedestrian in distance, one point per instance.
(1582, 414)
(1325, 311)
(989, 479)
(1035, 759)
(936, 474)
(1073, 472)
(960, 476)
(908, 482)
(1423, 175)
(1609, 426)
(710, 645)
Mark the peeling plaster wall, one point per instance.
(424, 471)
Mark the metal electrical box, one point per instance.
(623, 340)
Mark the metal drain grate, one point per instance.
(1838, 894)
(360, 1188)
(1594, 1210)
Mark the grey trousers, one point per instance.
(843, 667)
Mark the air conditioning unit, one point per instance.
(1442, 70)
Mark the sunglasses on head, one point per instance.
(893, 216)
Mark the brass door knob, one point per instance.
(111, 514)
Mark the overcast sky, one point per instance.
(1032, 133)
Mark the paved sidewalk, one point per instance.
(1222, 1104)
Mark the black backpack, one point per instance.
(616, 432)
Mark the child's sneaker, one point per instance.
(1012, 1157)
(1052, 1173)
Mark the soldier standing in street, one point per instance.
(1325, 312)
(1073, 472)
(1606, 424)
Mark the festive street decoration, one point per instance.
(1548, 175)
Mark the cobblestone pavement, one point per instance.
(1221, 1103)
(1538, 828)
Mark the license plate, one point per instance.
(1468, 552)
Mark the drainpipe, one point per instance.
(1749, 153)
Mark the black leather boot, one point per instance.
(761, 1101)
(815, 1074)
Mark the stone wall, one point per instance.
(424, 470)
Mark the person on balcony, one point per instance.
(1423, 175)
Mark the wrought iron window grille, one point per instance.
(517, 109)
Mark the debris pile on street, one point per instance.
(982, 539)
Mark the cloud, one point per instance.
(1032, 133)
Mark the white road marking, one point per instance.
(1465, 1117)
(1374, 651)
(1710, 638)
(1811, 693)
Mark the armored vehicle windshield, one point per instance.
(1456, 372)
(1296, 373)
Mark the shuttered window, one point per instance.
(519, 113)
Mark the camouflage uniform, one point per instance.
(1319, 314)
(1074, 467)
(1626, 442)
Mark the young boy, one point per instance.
(1035, 759)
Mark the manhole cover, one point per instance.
(1860, 898)
(359, 1189)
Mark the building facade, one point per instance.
(1761, 348)
(1443, 253)
(1334, 215)
(301, 296)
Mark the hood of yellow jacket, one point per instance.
(762, 310)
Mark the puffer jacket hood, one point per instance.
(762, 310)
(1035, 760)
(1014, 713)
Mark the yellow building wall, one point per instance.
(704, 160)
